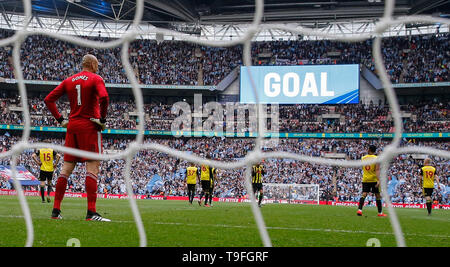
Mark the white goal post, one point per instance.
(291, 193)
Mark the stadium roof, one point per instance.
(194, 16)
(220, 11)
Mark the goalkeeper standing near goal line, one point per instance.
(89, 100)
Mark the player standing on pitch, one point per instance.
(428, 173)
(371, 182)
(47, 159)
(205, 174)
(88, 108)
(212, 180)
(192, 174)
(257, 183)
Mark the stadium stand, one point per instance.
(408, 59)
(421, 117)
(403, 173)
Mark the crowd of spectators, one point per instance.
(408, 59)
(372, 118)
(230, 183)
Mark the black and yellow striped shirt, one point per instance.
(257, 174)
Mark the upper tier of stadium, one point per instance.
(408, 59)
(413, 53)
(217, 20)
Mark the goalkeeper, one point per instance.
(88, 108)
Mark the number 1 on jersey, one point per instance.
(78, 87)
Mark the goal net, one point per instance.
(252, 157)
(291, 193)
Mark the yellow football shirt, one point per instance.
(204, 175)
(46, 157)
(257, 174)
(369, 171)
(191, 175)
(428, 174)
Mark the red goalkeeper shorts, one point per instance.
(88, 141)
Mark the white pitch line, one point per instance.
(297, 229)
(254, 227)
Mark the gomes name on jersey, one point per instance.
(82, 77)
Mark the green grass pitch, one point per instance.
(178, 224)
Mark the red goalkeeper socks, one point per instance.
(91, 191)
(60, 189)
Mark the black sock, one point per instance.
(379, 206)
(42, 192)
(429, 207)
(49, 189)
(200, 199)
(206, 198)
(210, 198)
(361, 203)
(260, 198)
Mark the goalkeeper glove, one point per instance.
(63, 122)
(99, 122)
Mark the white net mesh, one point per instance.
(256, 155)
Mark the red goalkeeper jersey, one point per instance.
(87, 96)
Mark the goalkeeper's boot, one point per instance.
(359, 213)
(94, 216)
(56, 214)
(382, 215)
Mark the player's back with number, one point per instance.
(86, 91)
(428, 174)
(369, 171)
(46, 156)
(88, 109)
(192, 175)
